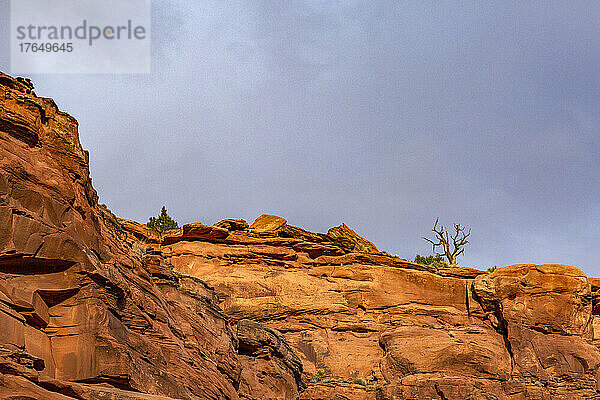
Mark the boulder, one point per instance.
(233, 224)
(267, 224)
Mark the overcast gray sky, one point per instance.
(382, 115)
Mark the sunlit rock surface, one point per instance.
(97, 307)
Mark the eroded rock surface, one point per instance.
(97, 307)
(86, 314)
(370, 326)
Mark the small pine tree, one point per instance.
(162, 223)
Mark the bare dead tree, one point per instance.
(454, 244)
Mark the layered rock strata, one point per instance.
(367, 325)
(97, 307)
(83, 313)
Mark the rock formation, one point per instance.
(97, 307)
(85, 314)
(372, 326)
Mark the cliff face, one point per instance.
(82, 314)
(92, 306)
(371, 326)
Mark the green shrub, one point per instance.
(361, 381)
(492, 269)
(318, 375)
(162, 223)
(435, 261)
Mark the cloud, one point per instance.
(383, 115)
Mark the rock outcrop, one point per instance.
(83, 312)
(93, 306)
(370, 326)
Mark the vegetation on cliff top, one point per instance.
(162, 223)
(452, 245)
(435, 261)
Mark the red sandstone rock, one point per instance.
(267, 224)
(140, 232)
(92, 306)
(410, 330)
(233, 224)
(195, 231)
(350, 240)
(87, 309)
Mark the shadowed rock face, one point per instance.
(94, 307)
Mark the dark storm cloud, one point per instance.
(383, 115)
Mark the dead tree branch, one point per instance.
(452, 245)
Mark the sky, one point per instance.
(383, 115)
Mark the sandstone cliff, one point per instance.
(97, 307)
(82, 313)
(371, 326)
